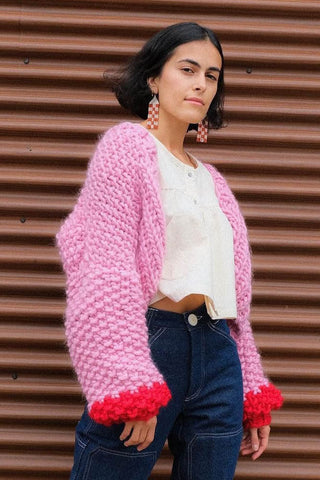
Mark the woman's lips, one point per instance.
(194, 101)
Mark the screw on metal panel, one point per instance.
(23, 219)
(249, 70)
(26, 60)
(14, 376)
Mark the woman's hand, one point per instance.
(142, 433)
(255, 441)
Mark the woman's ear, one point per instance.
(152, 83)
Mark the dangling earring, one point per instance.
(153, 113)
(202, 135)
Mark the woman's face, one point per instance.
(188, 82)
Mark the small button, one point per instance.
(192, 319)
(190, 174)
(195, 201)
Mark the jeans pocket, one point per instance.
(79, 449)
(221, 328)
(220, 451)
(105, 463)
(155, 333)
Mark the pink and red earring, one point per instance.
(153, 113)
(202, 135)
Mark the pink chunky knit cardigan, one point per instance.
(112, 246)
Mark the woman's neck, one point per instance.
(171, 136)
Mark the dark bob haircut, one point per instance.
(131, 88)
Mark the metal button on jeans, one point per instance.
(192, 319)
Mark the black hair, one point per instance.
(131, 88)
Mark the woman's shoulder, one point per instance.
(127, 134)
(126, 143)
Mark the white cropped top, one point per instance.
(199, 254)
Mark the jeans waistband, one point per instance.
(173, 319)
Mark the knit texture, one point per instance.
(112, 248)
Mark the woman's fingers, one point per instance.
(148, 439)
(134, 439)
(126, 431)
(264, 433)
(142, 433)
(255, 441)
(246, 445)
(150, 433)
(245, 440)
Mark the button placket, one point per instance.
(191, 177)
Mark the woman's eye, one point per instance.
(187, 69)
(212, 77)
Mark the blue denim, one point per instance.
(203, 422)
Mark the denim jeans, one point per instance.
(202, 422)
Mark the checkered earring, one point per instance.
(153, 113)
(202, 135)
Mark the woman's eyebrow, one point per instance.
(193, 62)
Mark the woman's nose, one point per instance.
(200, 84)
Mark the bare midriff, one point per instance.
(190, 302)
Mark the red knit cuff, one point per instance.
(142, 404)
(258, 406)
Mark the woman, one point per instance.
(159, 282)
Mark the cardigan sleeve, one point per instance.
(105, 319)
(260, 395)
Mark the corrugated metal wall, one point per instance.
(53, 105)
